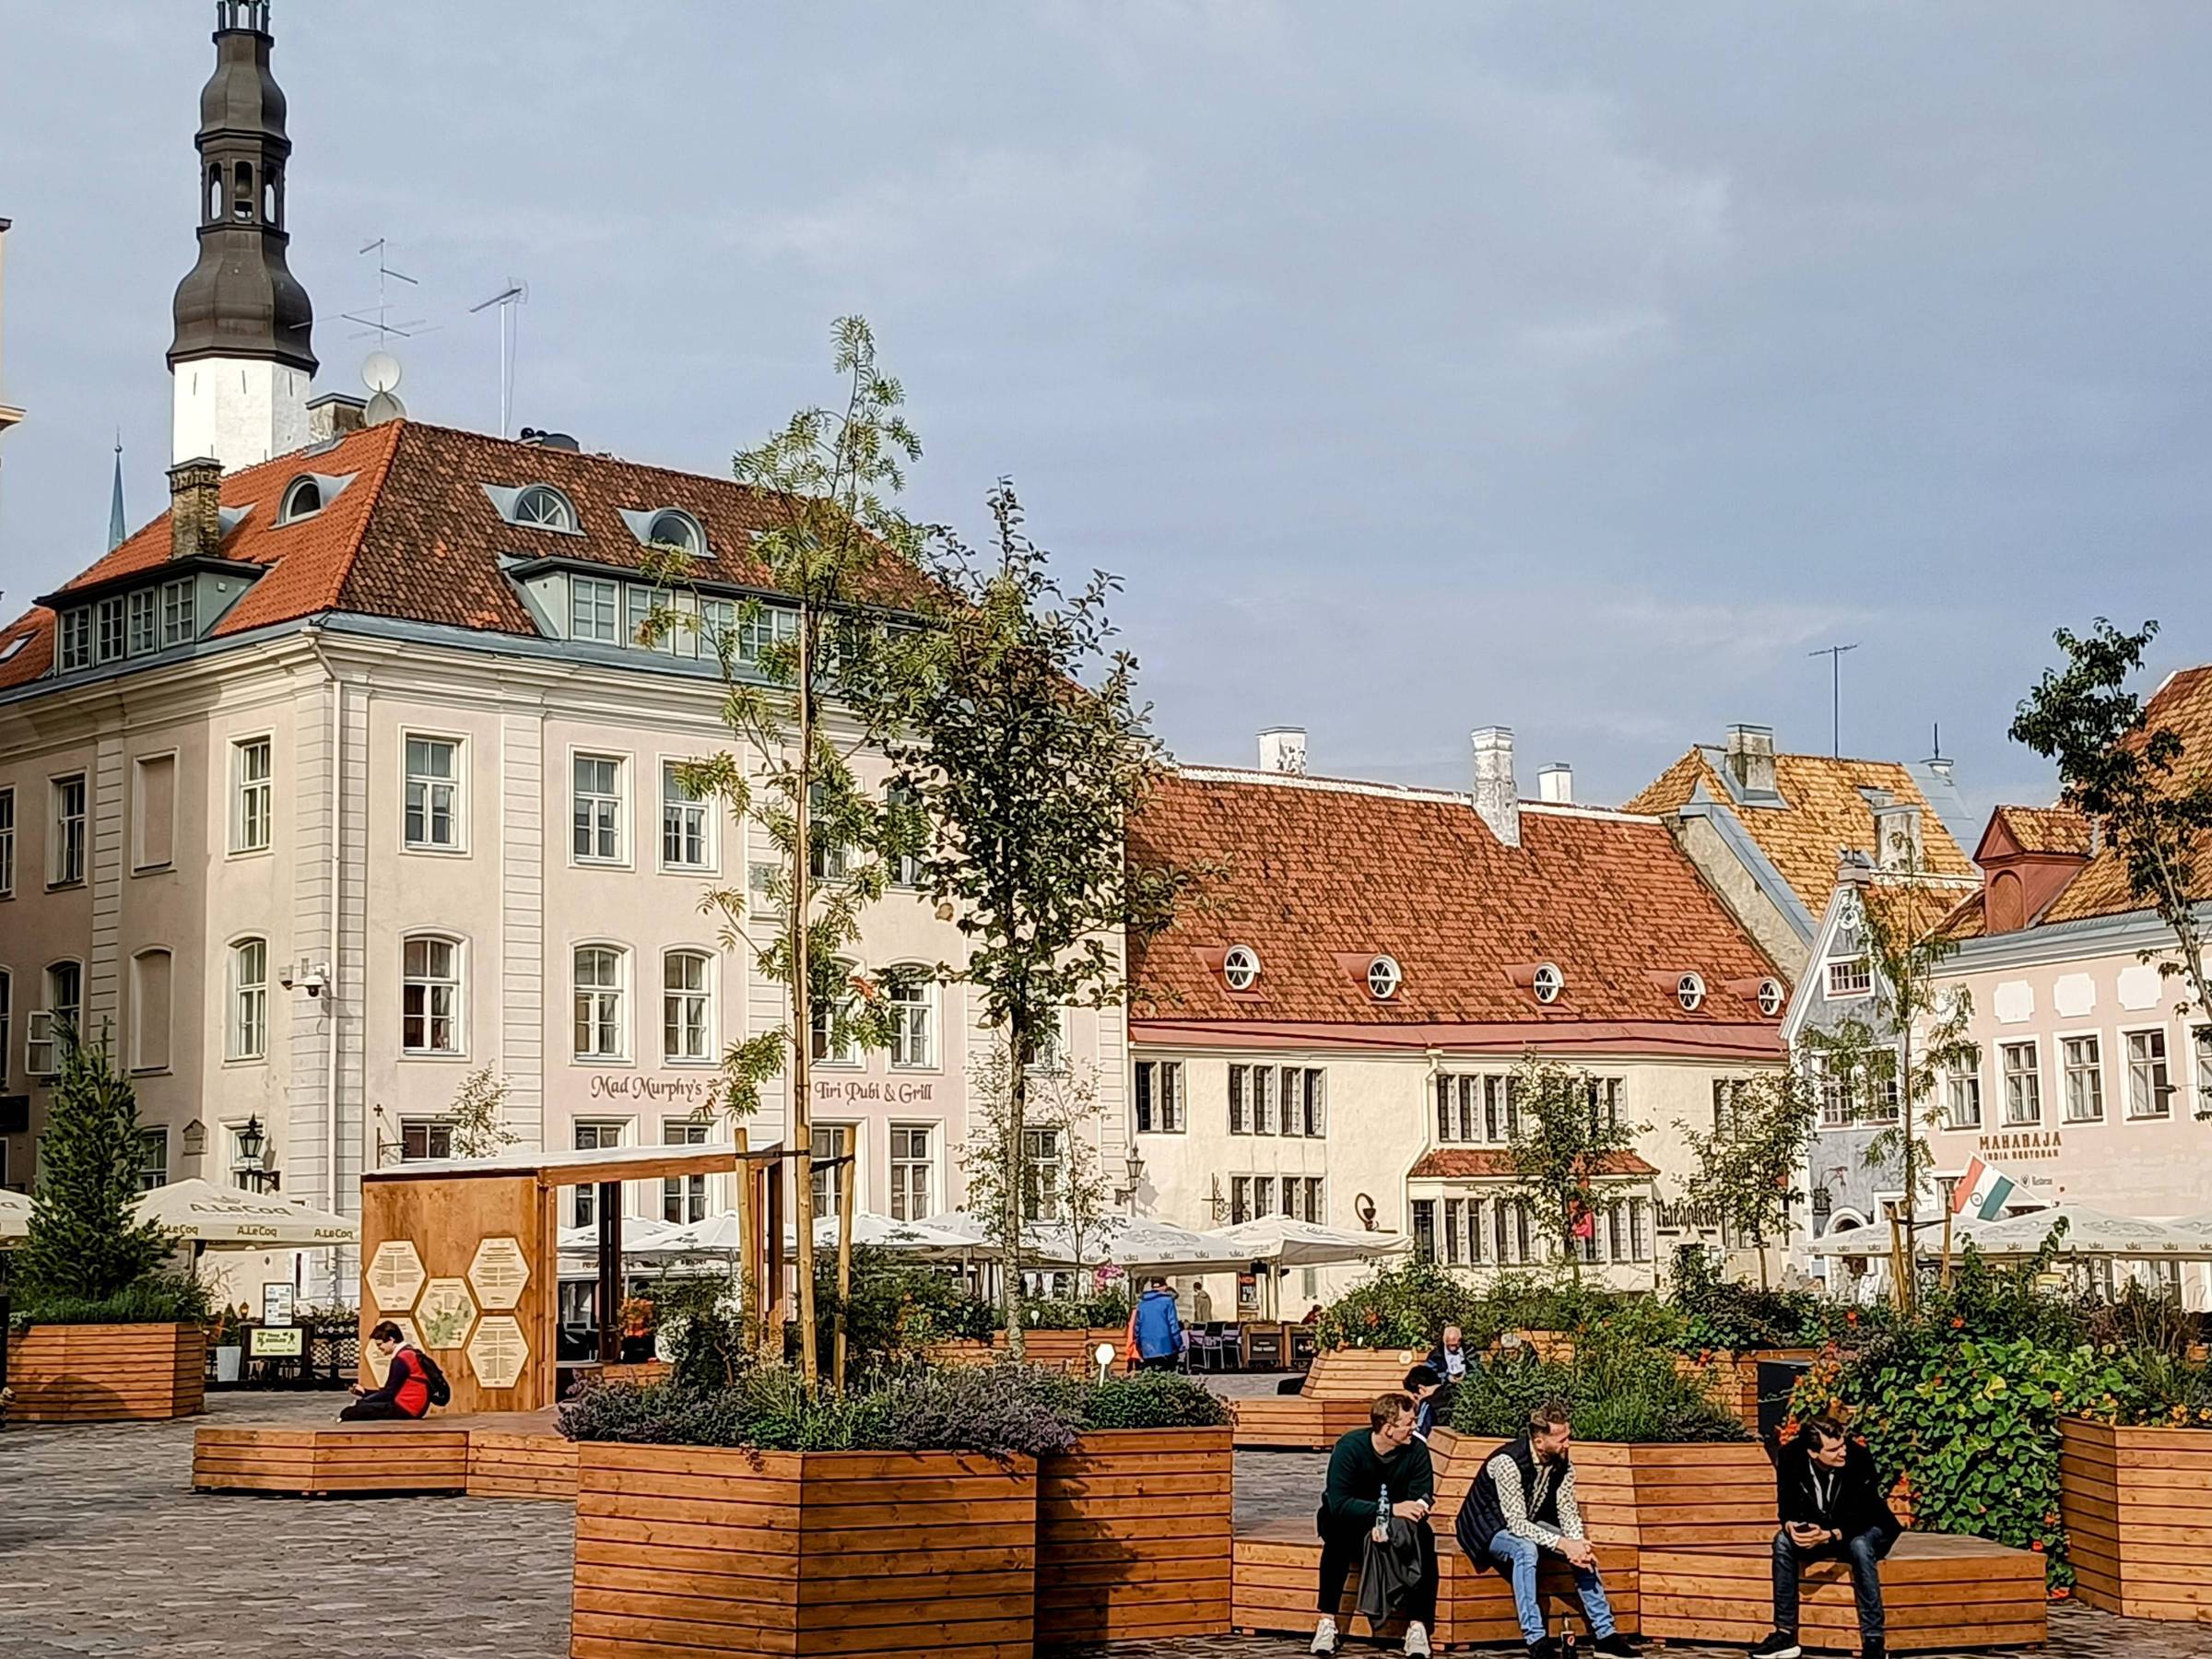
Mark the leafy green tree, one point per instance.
(2127, 778)
(1022, 741)
(478, 1115)
(801, 702)
(1746, 1168)
(83, 1243)
(1565, 1135)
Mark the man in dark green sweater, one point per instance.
(1385, 1453)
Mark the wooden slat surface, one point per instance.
(1133, 1536)
(2137, 1507)
(107, 1373)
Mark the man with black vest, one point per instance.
(1522, 1505)
(1832, 1510)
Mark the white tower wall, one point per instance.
(240, 410)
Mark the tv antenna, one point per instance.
(516, 292)
(381, 326)
(1834, 653)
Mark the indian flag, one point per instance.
(1981, 1191)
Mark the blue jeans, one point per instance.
(1519, 1556)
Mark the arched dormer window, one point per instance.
(2008, 907)
(303, 499)
(542, 507)
(673, 527)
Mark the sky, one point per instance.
(1575, 368)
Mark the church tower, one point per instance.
(242, 357)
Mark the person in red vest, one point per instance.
(406, 1390)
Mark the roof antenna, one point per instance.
(381, 326)
(1834, 653)
(516, 292)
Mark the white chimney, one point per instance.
(1495, 795)
(1895, 833)
(1750, 756)
(1556, 783)
(1283, 749)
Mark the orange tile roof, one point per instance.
(415, 537)
(1825, 814)
(2045, 830)
(1461, 1163)
(2183, 703)
(1321, 877)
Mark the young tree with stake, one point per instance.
(1564, 1134)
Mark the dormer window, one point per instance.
(673, 527)
(542, 507)
(1240, 967)
(1383, 978)
(303, 499)
(1690, 990)
(13, 646)
(1772, 996)
(1549, 983)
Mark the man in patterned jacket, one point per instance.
(1522, 1505)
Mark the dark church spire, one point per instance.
(240, 299)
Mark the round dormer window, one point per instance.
(1690, 990)
(1772, 996)
(1240, 967)
(303, 499)
(1383, 978)
(673, 527)
(1549, 982)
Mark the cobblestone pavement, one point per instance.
(104, 1550)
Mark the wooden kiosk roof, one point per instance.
(580, 1168)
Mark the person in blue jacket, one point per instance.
(1159, 1328)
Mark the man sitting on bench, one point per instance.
(1522, 1505)
(1832, 1510)
(406, 1390)
(1365, 1463)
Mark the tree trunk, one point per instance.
(1908, 1122)
(802, 999)
(1017, 1104)
(844, 1283)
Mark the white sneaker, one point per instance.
(1417, 1641)
(1325, 1639)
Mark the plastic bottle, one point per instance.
(1382, 1516)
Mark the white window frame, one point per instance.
(50, 1019)
(1239, 967)
(912, 1049)
(690, 540)
(1043, 1196)
(2161, 1107)
(68, 831)
(145, 623)
(73, 638)
(761, 626)
(604, 591)
(823, 1052)
(253, 800)
(2199, 1040)
(610, 809)
(610, 1004)
(432, 1127)
(2067, 1071)
(1842, 974)
(680, 809)
(585, 1206)
(456, 986)
(246, 1003)
(905, 870)
(1159, 1097)
(7, 842)
(926, 1202)
(1961, 1081)
(564, 522)
(455, 787)
(687, 1011)
(834, 1187)
(2007, 1076)
(153, 1171)
(686, 1194)
(180, 612)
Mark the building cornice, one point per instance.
(2128, 932)
(1623, 1039)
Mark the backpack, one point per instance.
(442, 1392)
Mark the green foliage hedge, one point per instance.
(1616, 1389)
(173, 1300)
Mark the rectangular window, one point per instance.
(717, 626)
(150, 983)
(430, 997)
(153, 811)
(250, 795)
(2023, 1085)
(76, 630)
(683, 822)
(1456, 1230)
(1240, 1100)
(248, 1000)
(2203, 1071)
(825, 852)
(1501, 1110)
(433, 793)
(423, 1138)
(687, 1019)
(763, 624)
(1263, 1195)
(110, 642)
(7, 842)
(1424, 1228)
(684, 1197)
(1263, 1100)
(67, 864)
(1317, 1210)
(1640, 1229)
(913, 1171)
(7, 1025)
(1240, 1202)
(180, 623)
(2149, 1090)
(146, 623)
(599, 1025)
(1849, 977)
(1962, 1097)
(592, 1137)
(1042, 1163)
(763, 887)
(1159, 1097)
(1617, 1231)
(592, 601)
(2084, 1062)
(153, 1159)
(596, 808)
(911, 998)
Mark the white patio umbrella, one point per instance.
(227, 1218)
(1287, 1242)
(642, 1235)
(2090, 1233)
(15, 1216)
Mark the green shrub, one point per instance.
(1723, 1315)
(173, 1300)
(896, 1309)
(1407, 1306)
(1615, 1389)
(1152, 1400)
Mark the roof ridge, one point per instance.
(351, 556)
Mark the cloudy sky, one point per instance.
(1574, 368)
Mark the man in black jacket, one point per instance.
(1832, 1510)
(1364, 1462)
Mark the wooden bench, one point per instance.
(1335, 1397)
(1276, 1566)
(1939, 1592)
(495, 1455)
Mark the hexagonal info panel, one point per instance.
(446, 1313)
(498, 1351)
(498, 1272)
(395, 1276)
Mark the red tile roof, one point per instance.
(414, 537)
(2043, 829)
(1461, 1163)
(1321, 877)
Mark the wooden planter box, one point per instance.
(107, 1373)
(1696, 1495)
(683, 1548)
(343, 1458)
(959, 1351)
(1133, 1532)
(1358, 1373)
(1335, 1397)
(1063, 1351)
(2138, 1507)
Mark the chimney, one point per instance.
(1556, 783)
(195, 508)
(1896, 832)
(1495, 795)
(1752, 760)
(334, 414)
(1283, 749)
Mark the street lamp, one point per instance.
(1132, 1166)
(252, 1144)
